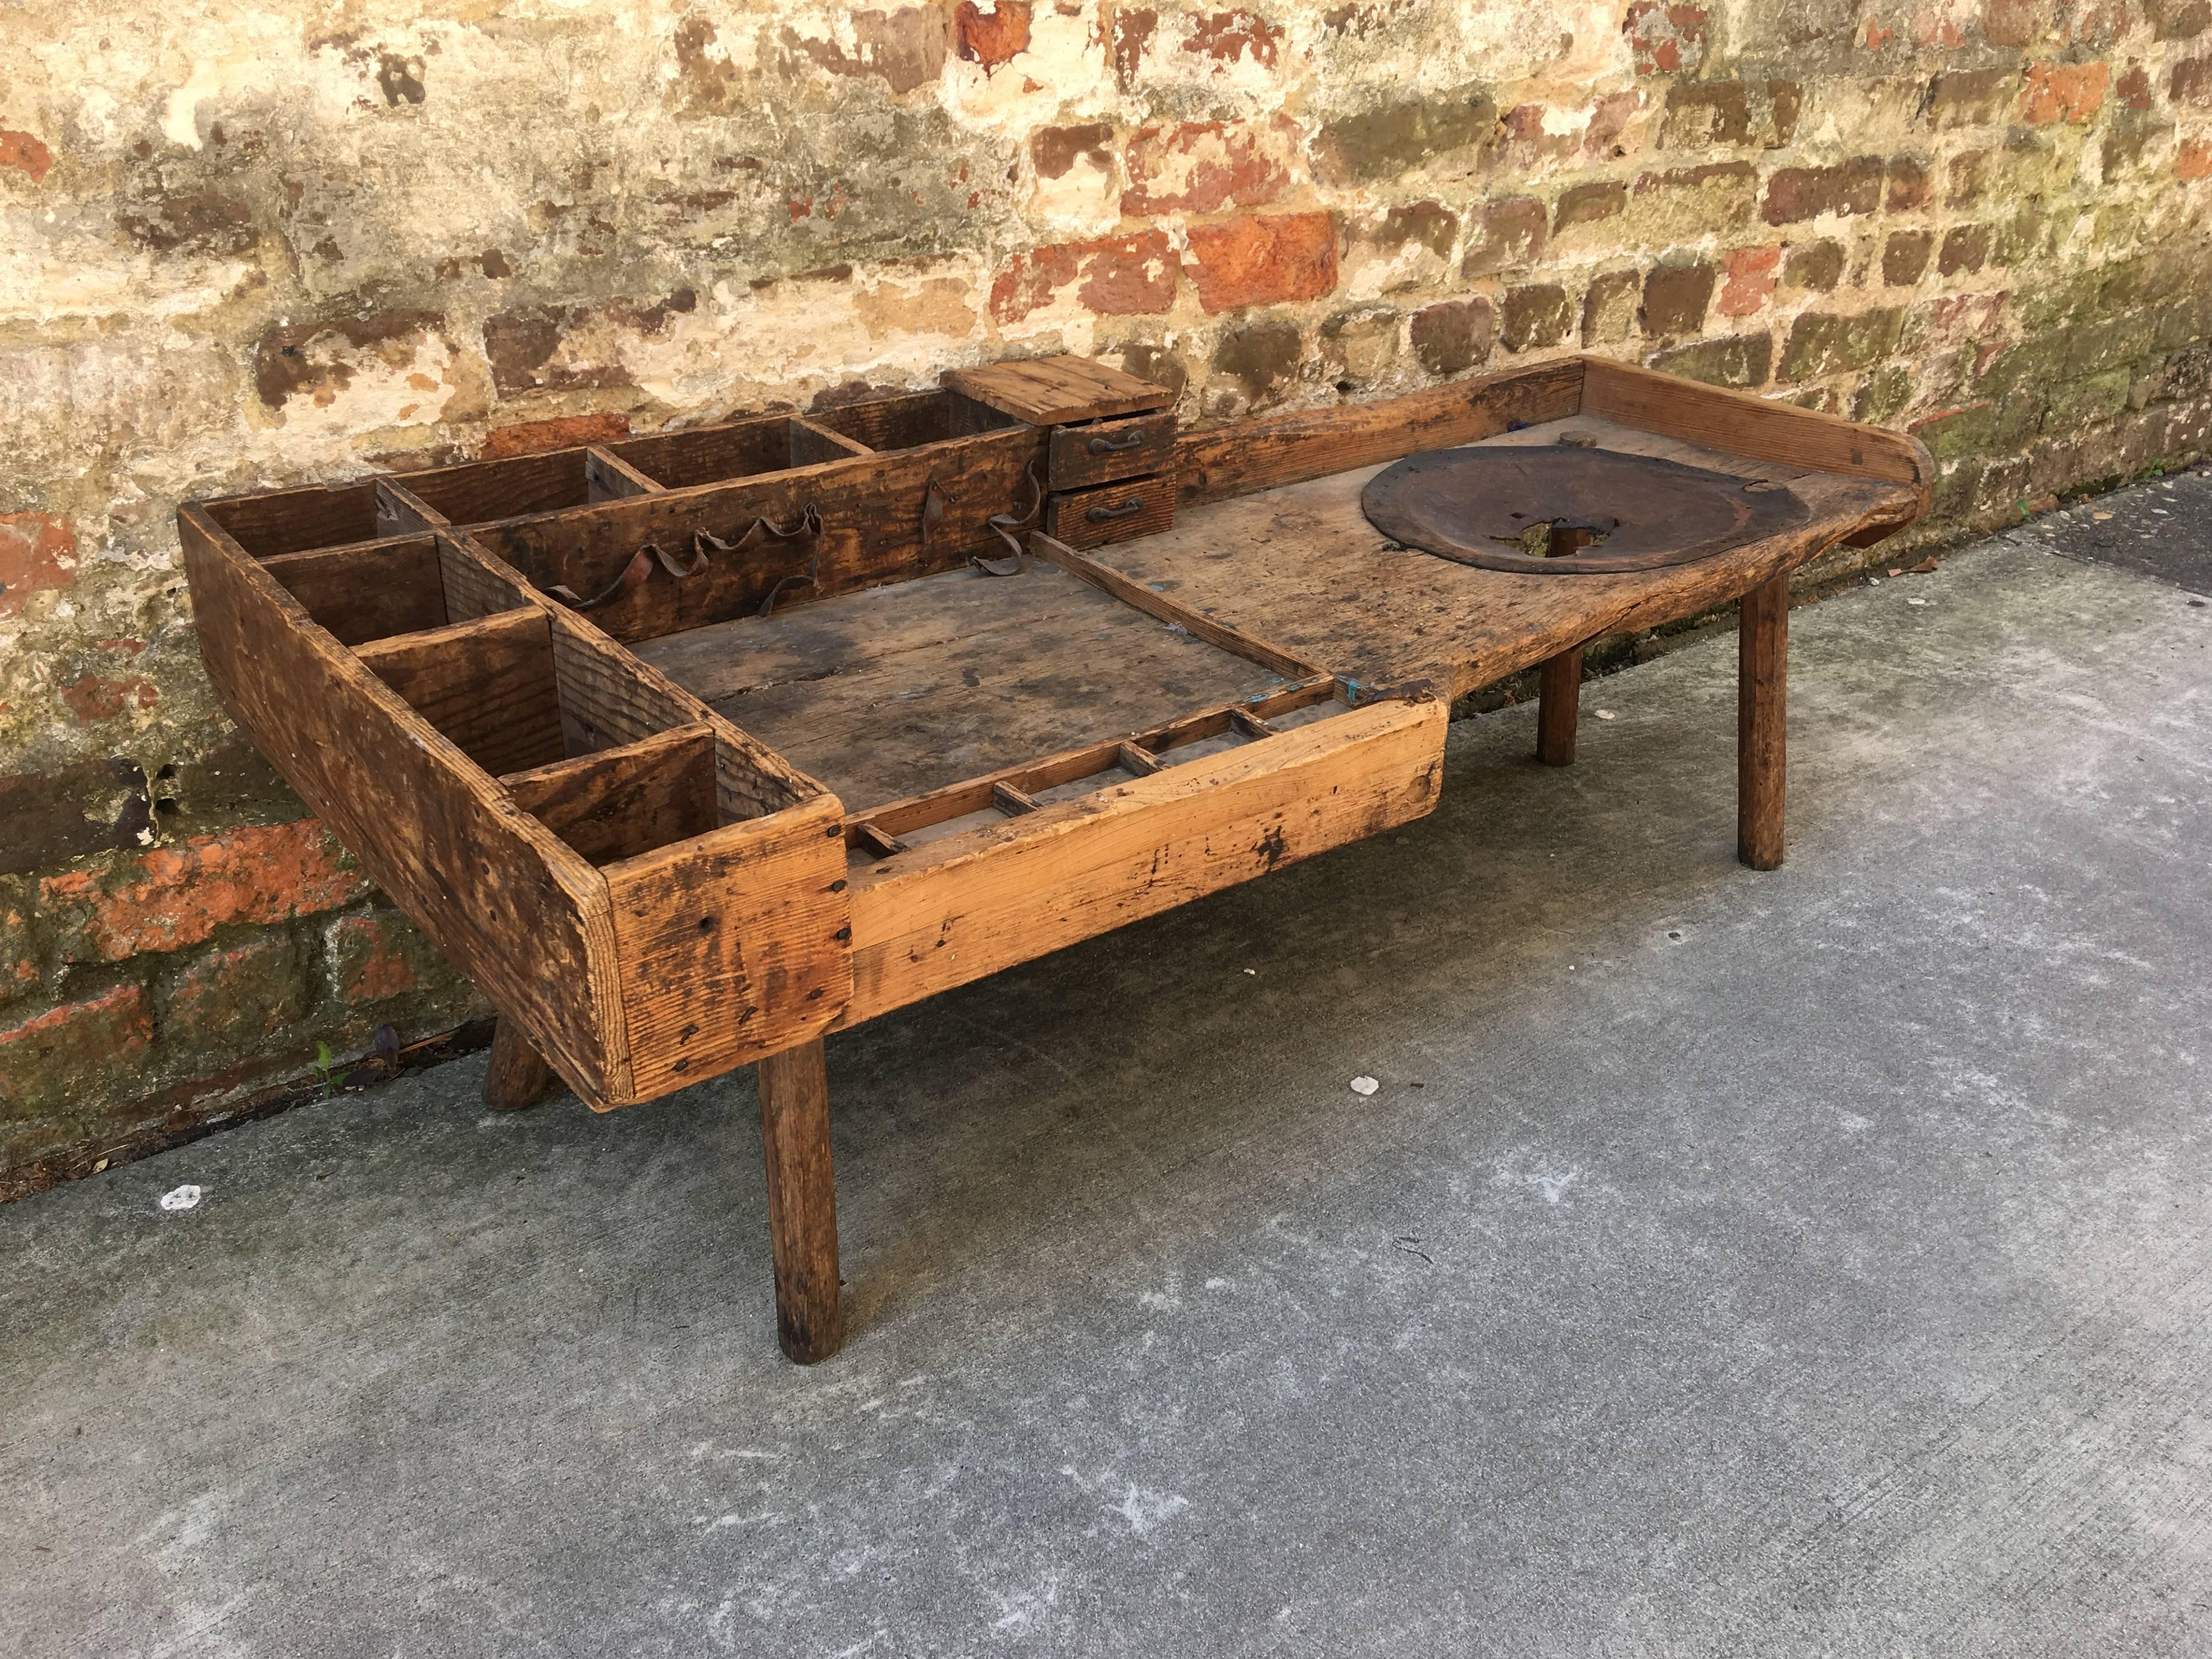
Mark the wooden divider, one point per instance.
(508, 901)
(487, 685)
(619, 803)
(369, 589)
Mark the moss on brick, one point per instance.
(1820, 344)
(1400, 134)
(1741, 360)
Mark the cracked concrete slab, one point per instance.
(1804, 1262)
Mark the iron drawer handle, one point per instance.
(1103, 446)
(1123, 510)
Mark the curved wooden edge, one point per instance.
(1764, 429)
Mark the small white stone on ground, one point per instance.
(180, 1198)
(1364, 1086)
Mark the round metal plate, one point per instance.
(1490, 506)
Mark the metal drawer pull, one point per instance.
(1104, 445)
(1120, 510)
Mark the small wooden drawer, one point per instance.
(1083, 455)
(1113, 513)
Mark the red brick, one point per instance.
(236, 998)
(173, 896)
(1203, 166)
(1675, 297)
(94, 698)
(1911, 184)
(29, 157)
(53, 1062)
(2194, 161)
(2133, 88)
(990, 37)
(2010, 23)
(1751, 275)
(1053, 149)
(37, 550)
(1796, 194)
(1666, 39)
(1905, 257)
(2192, 82)
(1960, 98)
(1586, 205)
(19, 957)
(2064, 91)
(1263, 260)
(1120, 277)
(1508, 232)
(566, 432)
(378, 955)
(1225, 36)
(1454, 336)
(1965, 247)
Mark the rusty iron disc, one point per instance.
(1489, 505)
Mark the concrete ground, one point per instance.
(1808, 1262)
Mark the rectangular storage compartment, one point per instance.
(1081, 456)
(1111, 513)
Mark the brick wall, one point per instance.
(245, 248)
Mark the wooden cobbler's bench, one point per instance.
(693, 748)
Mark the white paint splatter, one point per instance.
(180, 1198)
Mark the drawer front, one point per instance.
(1085, 455)
(1113, 512)
(941, 914)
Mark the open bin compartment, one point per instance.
(649, 894)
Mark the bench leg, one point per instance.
(802, 1202)
(1762, 747)
(1559, 705)
(518, 1077)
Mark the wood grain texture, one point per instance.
(900, 689)
(1246, 456)
(872, 513)
(474, 586)
(1558, 708)
(733, 944)
(398, 512)
(1168, 608)
(955, 909)
(508, 903)
(273, 521)
(1761, 428)
(477, 491)
(1139, 755)
(369, 590)
(802, 1202)
(1078, 457)
(812, 444)
(1112, 513)
(608, 696)
(608, 477)
(517, 1077)
(1301, 566)
(1762, 708)
(618, 802)
(487, 685)
(1047, 391)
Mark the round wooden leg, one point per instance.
(518, 1077)
(1762, 747)
(1559, 705)
(802, 1202)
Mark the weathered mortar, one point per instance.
(253, 247)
